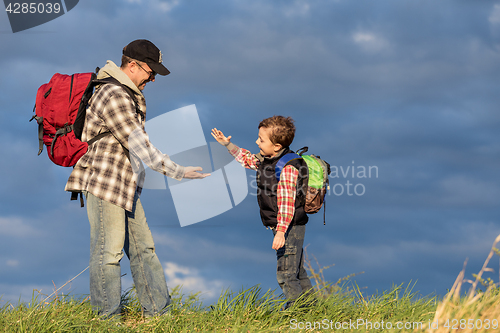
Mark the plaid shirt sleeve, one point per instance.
(105, 170)
(287, 189)
(142, 149)
(122, 120)
(244, 157)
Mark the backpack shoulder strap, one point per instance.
(282, 162)
(80, 118)
(82, 109)
(130, 92)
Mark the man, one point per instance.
(110, 179)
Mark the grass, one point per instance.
(476, 311)
(249, 310)
(339, 306)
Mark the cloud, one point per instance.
(297, 8)
(202, 248)
(17, 227)
(409, 87)
(434, 260)
(161, 5)
(167, 6)
(191, 280)
(16, 293)
(494, 20)
(494, 17)
(370, 41)
(462, 190)
(12, 263)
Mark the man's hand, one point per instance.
(192, 173)
(279, 240)
(220, 137)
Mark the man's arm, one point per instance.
(120, 116)
(141, 148)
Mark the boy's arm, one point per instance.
(243, 156)
(286, 193)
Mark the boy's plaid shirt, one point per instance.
(287, 185)
(105, 170)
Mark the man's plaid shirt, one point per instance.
(287, 185)
(105, 170)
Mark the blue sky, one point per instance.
(408, 87)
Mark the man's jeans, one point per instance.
(112, 230)
(291, 275)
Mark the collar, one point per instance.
(280, 153)
(111, 69)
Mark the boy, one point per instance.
(281, 202)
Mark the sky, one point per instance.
(405, 88)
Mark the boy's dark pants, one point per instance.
(291, 275)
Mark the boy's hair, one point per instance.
(282, 129)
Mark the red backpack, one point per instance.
(60, 109)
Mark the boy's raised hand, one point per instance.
(220, 137)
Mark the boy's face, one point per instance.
(267, 148)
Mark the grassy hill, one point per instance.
(339, 306)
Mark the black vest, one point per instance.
(267, 186)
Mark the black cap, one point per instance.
(145, 51)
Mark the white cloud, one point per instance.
(166, 6)
(24, 293)
(369, 41)
(494, 20)
(495, 15)
(465, 240)
(462, 190)
(200, 246)
(297, 8)
(161, 5)
(191, 280)
(12, 263)
(16, 227)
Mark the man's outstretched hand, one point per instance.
(192, 173)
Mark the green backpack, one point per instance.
(317, 179)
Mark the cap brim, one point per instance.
(159, 68)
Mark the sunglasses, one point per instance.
(151, 74)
